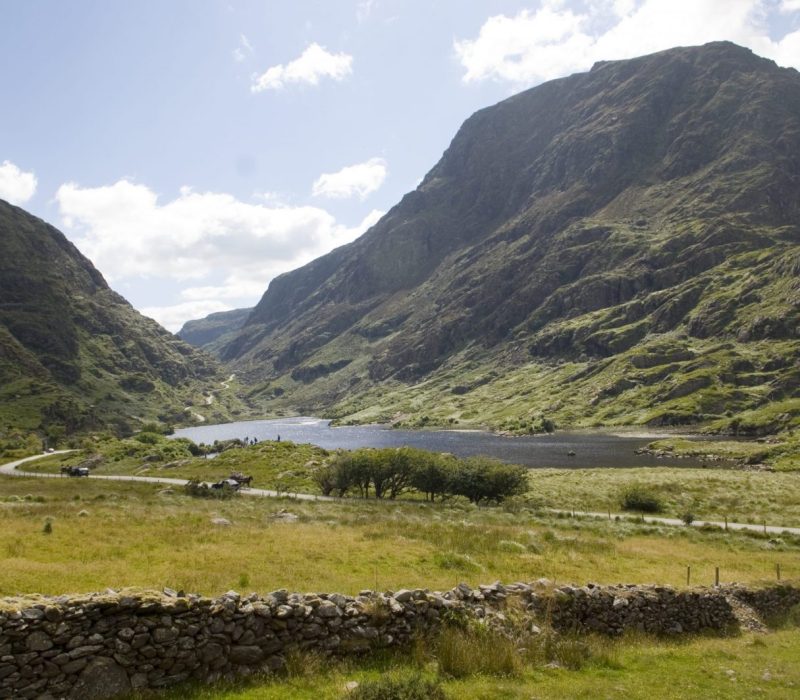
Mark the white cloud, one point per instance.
(128, 233)
(314, 63)
(16, 186)
(243, 50)
(790, 6)
(354, 180)
(554, 41)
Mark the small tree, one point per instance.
(486, 479)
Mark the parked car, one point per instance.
(231, 483)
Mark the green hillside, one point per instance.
(74, 355)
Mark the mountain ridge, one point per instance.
(599, 221)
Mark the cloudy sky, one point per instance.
(194, 149)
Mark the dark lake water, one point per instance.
(593, 448)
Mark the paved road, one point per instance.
(11, 469)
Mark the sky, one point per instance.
(195, 149)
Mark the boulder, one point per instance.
(102, 678)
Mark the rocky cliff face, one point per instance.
(73, 353)
(635, 226)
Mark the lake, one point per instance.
(592, 448)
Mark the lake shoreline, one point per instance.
(581, 448)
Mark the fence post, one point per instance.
(726, 523)
(716, 577)
(778, 571)
(688, 575)
(765, 527)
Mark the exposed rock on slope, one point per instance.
(617, 246)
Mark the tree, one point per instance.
(486, 479)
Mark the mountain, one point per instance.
(215, 330)
(73, 353)
(618, 246)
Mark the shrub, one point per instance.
(48, 526)
(641, 499)
(688, 518)
(398, 687)
(148, 438)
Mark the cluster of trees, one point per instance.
(389, 472)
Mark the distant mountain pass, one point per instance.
(205, 332)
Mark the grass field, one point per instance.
(738, 668)
(119, 535)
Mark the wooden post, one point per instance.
(688, 575)
(609, 514)
(765, 527)
(726, 523)
(716, 577)
(778, 571)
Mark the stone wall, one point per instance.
(100, 645)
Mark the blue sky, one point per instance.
(193, 149)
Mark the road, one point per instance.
(11, 470)
(769, 529)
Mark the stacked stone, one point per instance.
(613, 610)
(771, 602)
(106, 644)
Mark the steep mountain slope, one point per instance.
(73, 353)
(619, 246)
(215, 330)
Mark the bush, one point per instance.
(688, 518)
(398, 687)
(642, 500)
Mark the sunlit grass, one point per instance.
(143, 535)
(738, 668)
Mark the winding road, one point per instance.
(10, 469)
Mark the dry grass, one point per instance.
(139, 535)
(742, 496)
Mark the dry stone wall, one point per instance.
(102, 645)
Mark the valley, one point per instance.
(569, 358)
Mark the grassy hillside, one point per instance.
(75, 356)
